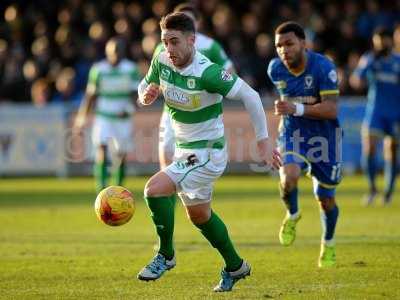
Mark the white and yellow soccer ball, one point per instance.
(114, 205)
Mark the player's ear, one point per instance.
(191, 38)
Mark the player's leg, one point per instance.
(100, 167)
(329, 214)
(289, 175)
(197, 176)
(166, 143)
(369, 142)
(390, 169)
(122, 142)
(157, 193)
(100, 137)
(119, 163)
(216, 232)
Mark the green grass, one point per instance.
(53, 247)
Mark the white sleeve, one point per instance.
(254, 107)
(141, 88)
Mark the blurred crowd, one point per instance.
(47, 47)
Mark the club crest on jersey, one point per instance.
(332, 76)
(165, 73)
(308, 81)
(280, 85)
(226, 76)
(191, 83)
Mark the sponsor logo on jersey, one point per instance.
(333, 76)
(226, 76)
(165, 73)
(280, 85)
(180, 99)
(191, 83)
(308, 79)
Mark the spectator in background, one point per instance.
(65, 89)
(61, 41)
(40, 92)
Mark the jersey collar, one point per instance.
(298, 73)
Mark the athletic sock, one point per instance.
(390, 176)
(328, 221)
(100, 175)
(119, 174)
(215, 231)
(291, 202)
(369, 166)
(162, 213)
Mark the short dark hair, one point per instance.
(187, 7)
(291, 26)
(178, 21)
(383, 32)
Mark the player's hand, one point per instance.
(269, 156)
(150, 94)
(80, 122)
(283, 107)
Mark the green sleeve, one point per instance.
(217, 55)
(153, 74)
(216, 79)
(160, 47)
(93, 80)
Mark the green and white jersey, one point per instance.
(208, 47)
(193, 97)
(113, 87)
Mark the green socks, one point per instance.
(100, 175)
(216, 233)
(162, 212)
(119, 173)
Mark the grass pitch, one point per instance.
(53, 247)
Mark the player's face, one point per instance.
(112, 53)
(179, 46)
(290, 49)
(381, 43)
(396, 37)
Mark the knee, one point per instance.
(289, 183)
(149, 189)
(152, 189)
(327, 203)
(198, 216)
(101, 153)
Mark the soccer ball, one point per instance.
(114, 205)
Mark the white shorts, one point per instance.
(166, 141)
(116, 133)
(194, 172)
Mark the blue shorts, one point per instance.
(380, 124)
(319, 156)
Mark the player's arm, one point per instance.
(325, 110)
(358, 78)
(218, 80)
(89, 99)
(149, 87)
(252, 102)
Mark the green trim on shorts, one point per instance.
(213, 144)
(195, 168)
(112, 116)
